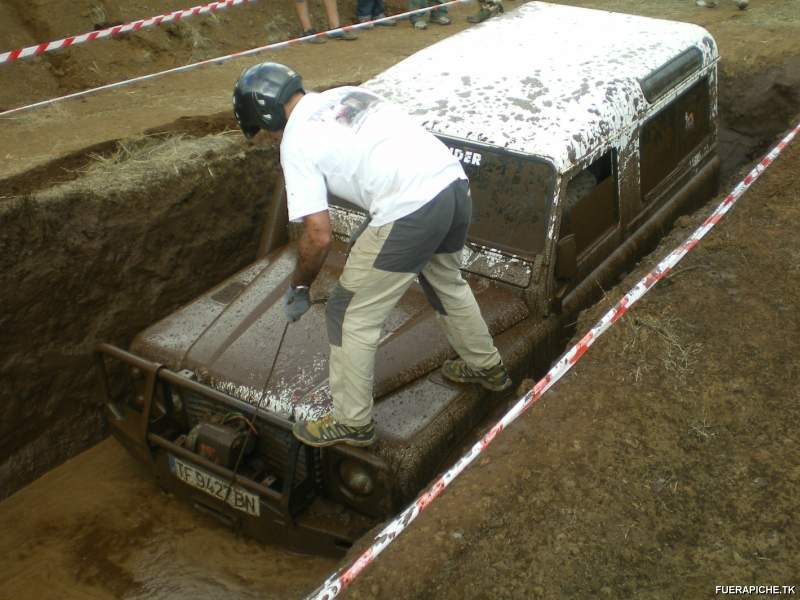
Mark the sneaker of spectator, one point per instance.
(342, 35)
(740, 4)
(366, 20)
(387, 23)
(437, 15)
(314, 40)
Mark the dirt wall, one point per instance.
(139, 232)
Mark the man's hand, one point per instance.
(296, 302)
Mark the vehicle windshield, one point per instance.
(511, 197)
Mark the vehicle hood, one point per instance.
(231, 337)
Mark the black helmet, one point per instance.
(260, 94)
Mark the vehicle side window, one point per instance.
(590, 205)
(673, 134)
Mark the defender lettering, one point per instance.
(467, 157)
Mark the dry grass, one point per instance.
(41, 117)
(98, 16)
(703, 429)
(191, 35)
(654, 345)
(139, 161)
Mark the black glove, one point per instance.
(296, 302)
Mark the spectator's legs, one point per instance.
(301, 6)
(379, 12)
(439, 12)
(418, 18)
(333, 13)
(333, 22)
(364, 10)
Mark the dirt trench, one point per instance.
(145, 227)
(149, 223)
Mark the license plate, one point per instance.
(215, 486)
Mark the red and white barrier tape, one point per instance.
(73, 40)
(342, 579)
(222, 59)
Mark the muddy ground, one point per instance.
(665, 464)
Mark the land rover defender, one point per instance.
(584, 133)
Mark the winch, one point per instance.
(220, 443)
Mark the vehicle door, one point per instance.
(675, 142)
(590, 221)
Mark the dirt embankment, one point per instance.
(142, 230)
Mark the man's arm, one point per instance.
(312, 248)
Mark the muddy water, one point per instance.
(97, 527)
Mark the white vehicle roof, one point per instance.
(549, 80)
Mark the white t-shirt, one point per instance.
(364, 149)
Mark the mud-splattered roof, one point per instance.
(550, 80)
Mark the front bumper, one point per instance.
(149, 406)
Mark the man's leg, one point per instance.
(457, 308)
(458, 311)
(357, 308)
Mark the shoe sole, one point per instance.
(487, 386)
(326, 443)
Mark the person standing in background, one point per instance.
(332, 11)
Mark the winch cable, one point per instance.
(258, 409)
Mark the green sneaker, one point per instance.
(327, 432)
(344, 34)
(314, 40)
(495, 379)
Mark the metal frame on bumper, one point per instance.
(281, 515)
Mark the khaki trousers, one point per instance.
(382, 264)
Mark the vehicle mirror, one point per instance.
(566, 257)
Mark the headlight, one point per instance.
(357, 478)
